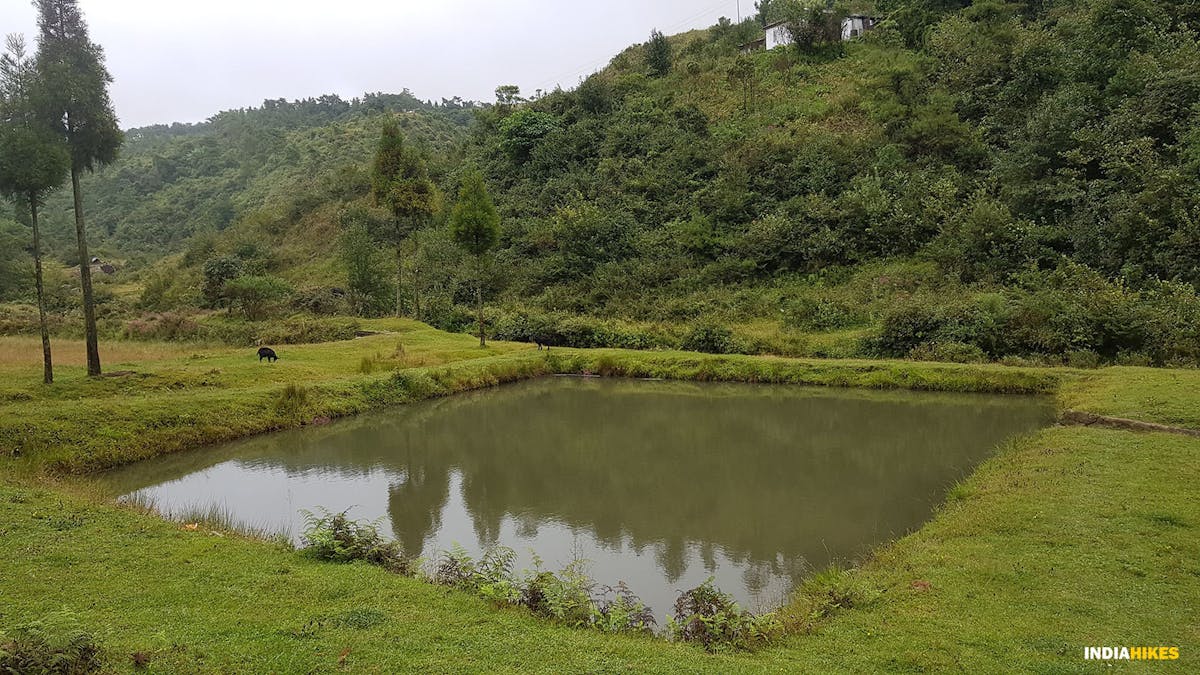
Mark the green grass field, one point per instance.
(1069, 538)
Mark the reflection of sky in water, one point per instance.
(658, 485)
(278, 499)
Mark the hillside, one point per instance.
(969, 181)
(173, 182)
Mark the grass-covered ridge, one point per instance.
(1069, 537)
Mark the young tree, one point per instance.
(365, 268)
(257, 295)
(33, 161)
(475, 226)
(742, 73)
(400, 182)
(811, 23)
(658, 54)
(77, 106)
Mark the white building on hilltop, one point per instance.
(778, 35)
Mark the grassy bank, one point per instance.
(1070, 538)
(165, 398)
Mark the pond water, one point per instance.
(657, 484)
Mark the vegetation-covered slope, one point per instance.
(971, 180)
(175, 181)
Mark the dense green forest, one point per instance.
(968, 181)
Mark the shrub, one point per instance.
(821, 314)
(708, 338)
(620, 611)
(948, 352)
(565, 597)
(166, 326)
(55, 644)
(335, 538)
(490, 577)
(1084, 359)
(707, 616)
(907, 327)
(321, 301)
(257, 296)
(301, 330)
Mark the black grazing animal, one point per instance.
(268, 354)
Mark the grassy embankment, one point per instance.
(1069, 538)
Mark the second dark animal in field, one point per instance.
(268, 354)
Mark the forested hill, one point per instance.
(171, 182)
(972, 179)
(985, 136)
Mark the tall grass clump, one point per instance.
(824, 594)
(292, 400)
(54, 644)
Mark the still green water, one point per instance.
(657, 484)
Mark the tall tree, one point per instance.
(78, 107)
(475, 226)
(33, 160)
(400, 182)
(658, 54)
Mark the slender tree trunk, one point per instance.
(399, 281)
(479, 304)
(85, 280)
(479, 309)
(47, 362)
(416, 281)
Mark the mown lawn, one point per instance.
(1070, 538)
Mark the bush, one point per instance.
(567, 597)
(301, 330)
(707, 616)
(821, 314)
(333, 537)
(321, 301)
(54, 645)
(490, 577)
(169, 326)
(1084, 359)
(257, 296)
(948, 352)
(906, 328)
(708, 338)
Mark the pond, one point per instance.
(657, 484)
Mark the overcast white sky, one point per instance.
(183, 60)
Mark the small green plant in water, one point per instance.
(336, 538)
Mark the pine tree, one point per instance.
(400, 182)
(33, 161)
(78, 107)
(475, 227)
(658, 54)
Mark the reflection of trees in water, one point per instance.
(751, 471)
(415, 505)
